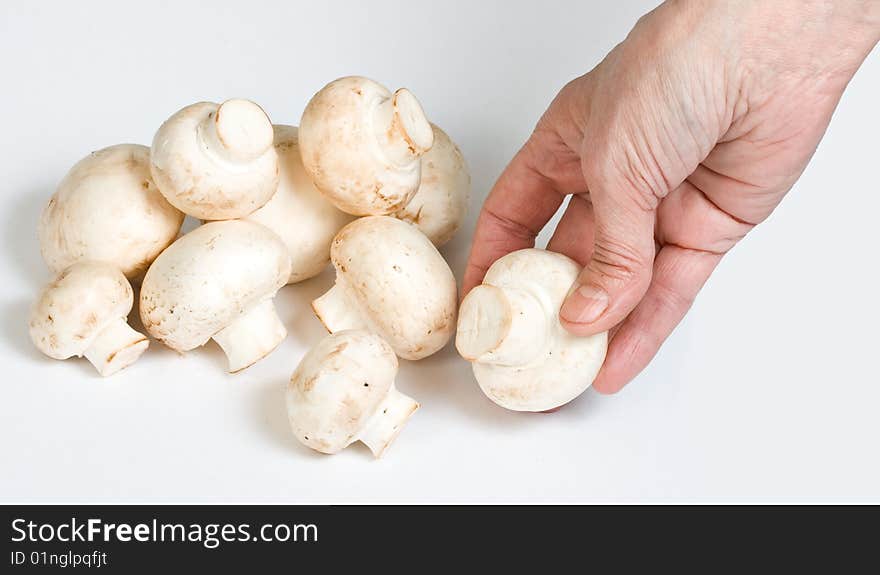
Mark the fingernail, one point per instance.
(584, 305)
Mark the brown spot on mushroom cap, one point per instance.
(192, 166)
(564, 365)
(309, 383)
(355, 371)
(338, 148)
(61, 277)
(351, 410)
(132, 212)
(208, 288)
(399, 283)
(76, 306)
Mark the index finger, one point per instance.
(519, 205)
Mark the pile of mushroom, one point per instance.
(365, 182)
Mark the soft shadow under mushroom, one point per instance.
(271, 409)
(20, 234)
(15, 328)
(444, 379)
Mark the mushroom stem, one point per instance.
(503, 327)
(402, 130)
(336, 311)
(239, 131)
(382, 428)
(117, 346)
(252, 336)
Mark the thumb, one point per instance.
(619, 271)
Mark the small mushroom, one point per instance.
(343, 391)
(509, 328)
(217, 282)
(391, 280)
(84, 312)
(216, 162)
(108, 209)
(303, 218)
(439, 206)
(361, 145)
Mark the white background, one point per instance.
(767, 392)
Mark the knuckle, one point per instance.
(627, 169)
(671, 300)
(569, 90)
(618, 262)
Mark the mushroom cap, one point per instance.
(343, 156)
(108, 209)
(216, 162)
(301, 216)
(441, 201)
(337, 387)
(210, 277)
(76, 306)
(567, 365)
(398, 281)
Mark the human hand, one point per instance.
(682, 139)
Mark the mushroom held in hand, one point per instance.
(303, 218)
(343, 391)
(509, 328)
(440, 203)
(217, 282)
(391, 280)
(361, 145)
(84, 312)
(216, 162)
(108, 209)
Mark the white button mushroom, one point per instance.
(217, 282)
(303, 218)
(343, 391)
(391, 280)
(441, 201)
(83, 312)
(108, 209)
(509, 328)
(361, 145)
(216, 162)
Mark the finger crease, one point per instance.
(719, 208)
(693, 250)
(512, 227)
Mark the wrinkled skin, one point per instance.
(686, 136)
